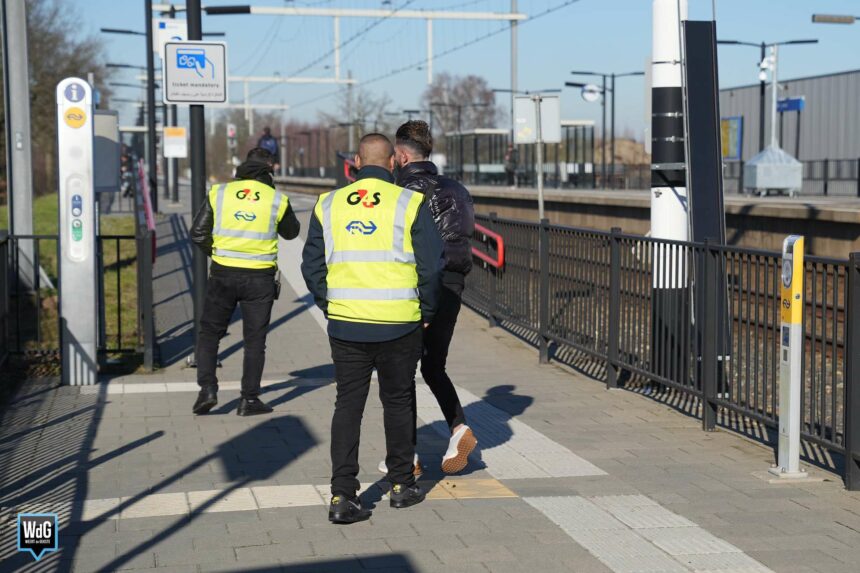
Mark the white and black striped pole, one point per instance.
(669, 206)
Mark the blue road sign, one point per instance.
(791, 104)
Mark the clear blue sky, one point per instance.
(603, 35)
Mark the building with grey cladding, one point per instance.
(829, 124)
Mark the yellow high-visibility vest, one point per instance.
(245, 231)
(367, 230)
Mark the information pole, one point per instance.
(77, 235)
(790, 359)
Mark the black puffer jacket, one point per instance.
(452, 210)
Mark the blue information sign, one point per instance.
(791, 104)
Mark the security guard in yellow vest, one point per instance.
(239, 227)
(372, 261)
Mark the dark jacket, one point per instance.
(204, 219)
(453, 212)
(428, 261)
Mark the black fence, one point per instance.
(4, 301)
(32, 281)
(709, 334)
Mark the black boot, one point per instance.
(406, 495)
(343, 509)
(252, 406)
(206, 400)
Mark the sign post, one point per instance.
(195, 73)
(537, 119)
(790, 365)
(77, 233)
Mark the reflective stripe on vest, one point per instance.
(373, 293)
(246, 256)
(269, 235)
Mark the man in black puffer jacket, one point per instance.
(454, 215)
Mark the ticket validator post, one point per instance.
(790, 359)
(77, 232)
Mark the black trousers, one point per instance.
(437, 339)
(395, 362)
(255, 294)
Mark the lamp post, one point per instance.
(150, 99)
(603, 91)
(762, 46)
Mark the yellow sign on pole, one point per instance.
(175, 142)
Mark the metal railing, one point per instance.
(710, 332)
(4, 301)
(32, 317)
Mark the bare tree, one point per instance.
(56, 50)
(367, 112)
(467, 98)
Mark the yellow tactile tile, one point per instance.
(475, 488)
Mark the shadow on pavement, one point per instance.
(489, 419)
(239, 473)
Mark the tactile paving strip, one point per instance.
(509, 448)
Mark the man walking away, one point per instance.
(372, 263)
(238, 227)
(453, 213)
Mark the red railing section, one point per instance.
(489, 236)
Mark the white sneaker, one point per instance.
(459, 447)
(417, 470)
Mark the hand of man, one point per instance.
(426, 325)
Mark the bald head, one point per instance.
(375, 149)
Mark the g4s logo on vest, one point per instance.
(246, 194)
(361, 196)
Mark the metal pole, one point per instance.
(198, 171)
(165, 161)
(761, 99)
(349, 112)
(19, 159)
(612, 129)
(336, 47)
(174, 162)
(429, 52)
(513, 65)
(603, 134)
(774, 96)
(797, 138)
(460, 138)
(152, 161)
(852, 375)
(539, 151)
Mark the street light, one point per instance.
(762, 80)
(603, 91)
(150, 98)
(833, 19)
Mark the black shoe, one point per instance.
(345, 510)
(252, 407)
(206, 400)
(406, 496)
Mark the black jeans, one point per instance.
(255, 294)
(395, 362)
(437, 339)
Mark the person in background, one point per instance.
(270, 143)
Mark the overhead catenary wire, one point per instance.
(449, 51)
(346, 42)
